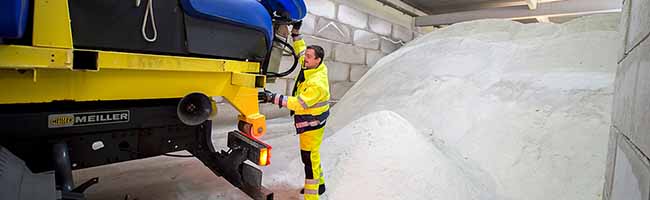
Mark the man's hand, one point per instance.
(296, 27)
(270, 97)
(297, 24)
(265, 96)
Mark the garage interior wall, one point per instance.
(628, 166)
(355, 35)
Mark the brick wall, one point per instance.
(353, 41)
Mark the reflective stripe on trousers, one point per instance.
(310, 142)
(306, 123)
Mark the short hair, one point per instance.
(320, 53)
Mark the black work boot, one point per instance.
(321, 189)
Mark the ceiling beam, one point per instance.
(543, 19)
(556, 8)
(460, 7)
(399, 8)
(532, 4)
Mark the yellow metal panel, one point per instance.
(119, 60)
(50, 85)
(241, 66)
(27, 57)
(125, 84)
(52, 24)
(245, 101)
(240, 97)
(245, 80)
(258, 123)
(117, 84)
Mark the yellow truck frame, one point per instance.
(46, 72)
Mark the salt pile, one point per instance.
(489, 109)
(381, 156)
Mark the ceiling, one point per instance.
(433, 7)
(443, 12)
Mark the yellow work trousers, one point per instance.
(309, 152)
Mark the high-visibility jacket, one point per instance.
(309, 99)
(311, 95)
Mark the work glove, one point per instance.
(295, 31)
(297, 25)
(270, 97)
(265, 96)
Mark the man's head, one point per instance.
(314, 56)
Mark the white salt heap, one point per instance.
(382, 156)
(488, 109)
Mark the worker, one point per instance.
(310, 108)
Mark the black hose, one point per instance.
(295, 60)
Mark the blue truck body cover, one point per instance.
(248, 13)
(295, 8)
(13, 18)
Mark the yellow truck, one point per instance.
(92, 82)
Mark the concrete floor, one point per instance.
(163, 178)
